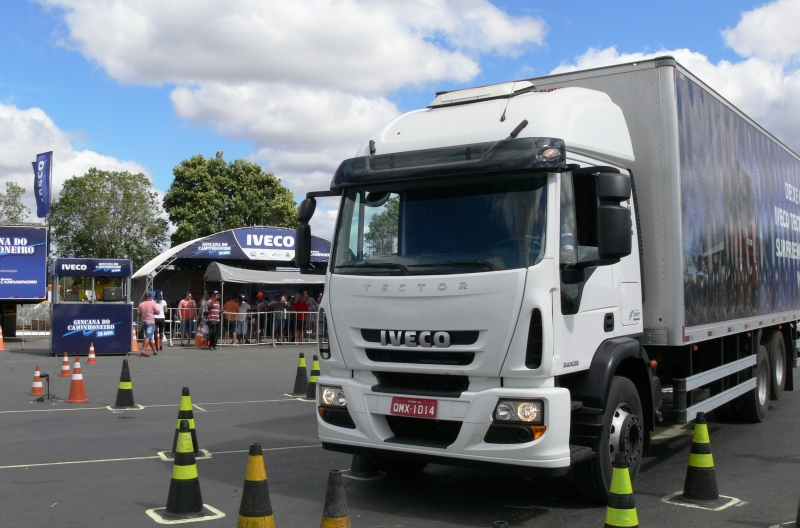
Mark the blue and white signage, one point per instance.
(254, 243)
(42, 170)
(90, 267)
(106, 326)
(23, 262)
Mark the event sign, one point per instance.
(254, 243)
(42, 169)
(92, 267)
(23, 262)
(77, 326)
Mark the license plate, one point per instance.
(414, 407)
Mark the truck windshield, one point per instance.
(483, 224)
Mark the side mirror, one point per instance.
(302, 241)
(614, 224)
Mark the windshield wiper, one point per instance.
(393, 265)
(457, 263)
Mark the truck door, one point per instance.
(585, 312)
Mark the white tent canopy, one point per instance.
(153, 265)
(217, 272)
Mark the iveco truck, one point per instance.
(537, 273)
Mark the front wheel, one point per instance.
(753, 406)
(623, 430)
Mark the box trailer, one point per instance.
(535, 273)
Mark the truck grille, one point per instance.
(423, 431)
(384, 355)
(421, 384)
(457, 337)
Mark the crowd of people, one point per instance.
(292, 319)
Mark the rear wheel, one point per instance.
(753, 406)
(623, 430)
(398, 466)
(776, 349)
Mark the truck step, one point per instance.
(579, 454)
(576, 405)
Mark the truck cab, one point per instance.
(486, 256)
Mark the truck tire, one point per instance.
(623, 428)
(777, 365)
(753, 406)
(398, 466)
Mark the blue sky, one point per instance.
(54, 56)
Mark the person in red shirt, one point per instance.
(147, 312)
(186, 309)
(300, 306)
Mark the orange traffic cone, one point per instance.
(77, 393)
(37, 389)
(92, 359)
(135, 344)
(65, 373)
(198, 339)
(2, 346)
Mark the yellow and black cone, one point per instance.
(125, 390)
(301, 379)
(621, 510)
(334, 514)
(255, 510)
(185, 413)
(701, 481)
(311, 393)
(184, 500)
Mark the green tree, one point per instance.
(11, 207)
(210, 195)
(383, 225)
(105, 214)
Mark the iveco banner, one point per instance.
(23, 262)
(254, 243)
(42, 168)
(740, 259)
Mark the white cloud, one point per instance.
(25, 133)
(765, 84)
(305, 81)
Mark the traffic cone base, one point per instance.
(37, 389)
(311, 393)
(65, 372)
(77, 392)
(301, 378)
(334, 514)
(125, 389)
(91, 360)
(621, 509)
(255, 510)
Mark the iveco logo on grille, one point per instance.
(413, 338)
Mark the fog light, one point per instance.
(505, 411)
(528, 411)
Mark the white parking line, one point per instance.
(148, 457)
(140, 407)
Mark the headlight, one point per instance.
(525, 411)
(333, 396)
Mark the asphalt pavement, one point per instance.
(83, 465)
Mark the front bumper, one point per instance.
(473, 410)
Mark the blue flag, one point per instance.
(41, 183)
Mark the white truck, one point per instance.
(536, 273)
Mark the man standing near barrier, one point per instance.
(213, 319)
(186, 314)
(229, 312)
(147, 313)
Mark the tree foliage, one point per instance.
(105, 214)
(11, 207)
(209, 195)
(384, 224)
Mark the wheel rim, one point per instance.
(763, 386)
(780, 367)
(625, 434)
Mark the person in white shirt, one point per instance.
(241, 319)
(160, 320)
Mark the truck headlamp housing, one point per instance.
(519, 411)
(333, 396)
